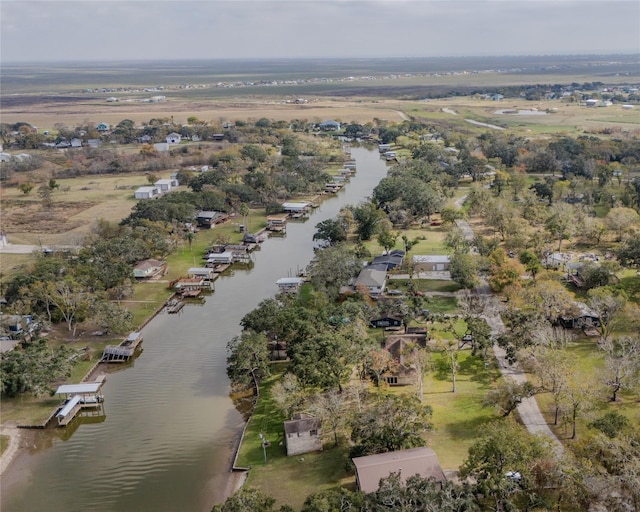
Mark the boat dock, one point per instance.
(78, 397)
(124, 351)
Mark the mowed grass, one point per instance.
(456, 420)
(458, 416)
(589, 365)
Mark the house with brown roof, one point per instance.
(421, 461)
(401, 347)
(303, 434)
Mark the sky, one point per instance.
(102, 30)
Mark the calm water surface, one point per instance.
(170, 426)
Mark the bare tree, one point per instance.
(622, 364)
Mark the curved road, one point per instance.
(529, 411)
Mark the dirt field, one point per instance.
(46, 114)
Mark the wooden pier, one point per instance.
(124, 351)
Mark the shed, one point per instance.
(165, 185)
(299, 207)
(146, 192)
(431, 263)
(421, 461)
(303, 434)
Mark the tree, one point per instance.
(560, 223)
(451, 350)
(579, 398)
(622, 364)
(321, 360)
(386, 238)
(332, 407)
(288, 394)
(507, 395)
(248, 360)
(531, 263)
(332, 268)
(621, 220)
(34, 368)
(331, 230)
(629, 253)
(609, 306)
(394, 422)
(250, 499)
(504, 271)
(504, 446)
(379, 362)
(190, 237)
(464, 270)
(112, 318)
(422, 362)
(25, 187)
(71, 299)
(366, 217)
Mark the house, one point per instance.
(289, 284)
(145, 139)
(217, 137)
(400, 347)
(579, 316)
(330, 125)
(146, 192)
(303, 434)
(173, 138)
(421, 461)
(373, 280)
(149, 268)
(76, 143)
(431, 263)
(383, 148)
(390, 261)
(208, 219)
(385, 322)
(165, 185)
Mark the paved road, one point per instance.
(529, 411)
(19, 249)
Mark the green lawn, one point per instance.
(458, 416)
(4, 443)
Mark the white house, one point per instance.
(174, 138)
(147, 192)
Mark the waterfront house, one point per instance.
(373, 280)
(208, 219)
(303, 434)
(147, 269)
(421, 461)
(277, 223)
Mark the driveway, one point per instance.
(529, 411)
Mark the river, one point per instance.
(167, 439)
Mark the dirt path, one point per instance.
(529, 411)
(17, 439)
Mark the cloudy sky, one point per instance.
(51, 30)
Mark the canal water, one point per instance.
(167, 440)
